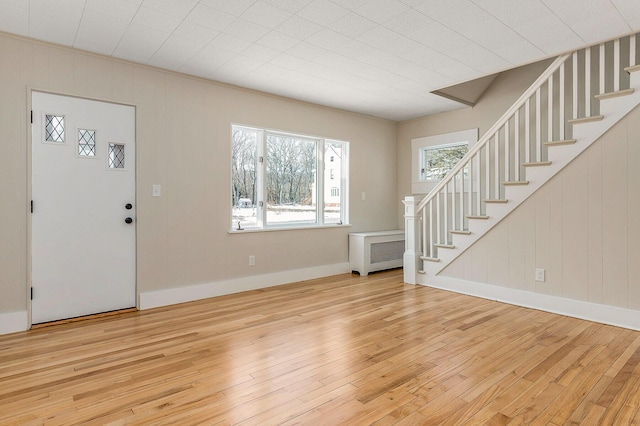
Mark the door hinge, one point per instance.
(31, 116)
(31, 293)
(31, 206)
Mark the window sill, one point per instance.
(288, 228)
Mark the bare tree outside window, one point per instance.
(243, 176)
(438, 161)
(291, 176)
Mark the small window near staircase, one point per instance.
(437, 161)
(432, 157)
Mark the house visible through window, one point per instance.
(277, 180)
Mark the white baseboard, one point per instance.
(158, 298)
(604, 314)
(12, 322)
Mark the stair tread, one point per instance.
(460, 232)
(586, 119)
(615, 94)
(632, 68)
(536, 164)
(515, 182)
(558, 143)
(585, 136)
(447, 246)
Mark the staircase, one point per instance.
(574, 101)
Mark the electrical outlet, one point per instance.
(540, 275)
(252, 260)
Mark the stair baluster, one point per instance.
(497, 165)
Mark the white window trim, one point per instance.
(262, 225)
(419, 186)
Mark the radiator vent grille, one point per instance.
(386, 251)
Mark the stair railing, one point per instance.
(569, 87)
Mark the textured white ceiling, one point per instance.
(376, 57)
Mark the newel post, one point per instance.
(412, 253)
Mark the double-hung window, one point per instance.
(284, 180)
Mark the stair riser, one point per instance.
(613, 109)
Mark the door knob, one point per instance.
(128, 220)
(128, 206)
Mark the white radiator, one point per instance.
(375, 251)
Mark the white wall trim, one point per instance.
(172, 296)
(12, 322)
(611, 315)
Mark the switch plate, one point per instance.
(156, 190)
(540, 275)
(252, 260)
(364, 195)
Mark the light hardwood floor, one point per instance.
(334, 351)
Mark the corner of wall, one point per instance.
(13, 322)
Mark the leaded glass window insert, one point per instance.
(86, 143)
(116, 156)
(54, 128)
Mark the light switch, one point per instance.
(156, 190)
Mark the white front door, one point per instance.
(83, 221)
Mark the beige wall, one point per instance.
(183, 127)
(499, 96)
(580, 227)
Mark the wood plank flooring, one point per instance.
(334, 351)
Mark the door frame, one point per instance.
(29, 133)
